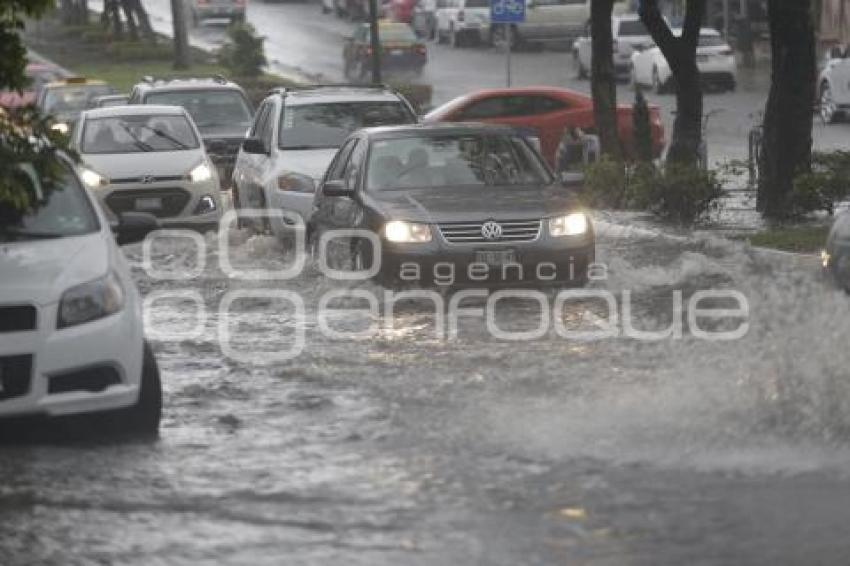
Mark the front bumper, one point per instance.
(67, 370)
(544, 262)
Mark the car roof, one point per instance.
(188, 83)
(330, 94)
(135, 110)
(75, 82)
(385, 132)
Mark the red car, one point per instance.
(547, 110)
(402, 10)
(39, 75)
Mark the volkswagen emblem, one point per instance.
(491, 230)
(147, 179)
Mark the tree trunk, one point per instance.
(681, 55)
(182, 57)
(787, 141)
(131, 22)
(143, 19)
(602, 79)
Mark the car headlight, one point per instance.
(200, 173)
(293, 182)
(60, 127)
(574, 224)
(90, 301)
(400, 232)
(92, 178)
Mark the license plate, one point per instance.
(148, 204)
(496, 258)
(397, 52)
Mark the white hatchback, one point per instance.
(146, 158)
(71, 338)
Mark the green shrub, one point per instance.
(676, 193)
(243, 54)
(827, 183)
(605, 184)
(134, 51)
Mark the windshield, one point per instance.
(394, 34)
(208, 108)
(134, 134)
(711, 41)
(632, 28)
(63, 208)
(481, 160)
(317, 126)
(74, 98)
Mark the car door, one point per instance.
(345, 213)
(248, 165)
(323, 215)
(840, 81)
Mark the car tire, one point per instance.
(828, 110)
(143, 418)
(362, 259)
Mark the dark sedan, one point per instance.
(450, 205)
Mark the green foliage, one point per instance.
(243, 54)
(819, 189)
(18, 129)
(419, 95)
(12, 51)
(134, 51)
(642, 129)
(605, 184)
(677, 193)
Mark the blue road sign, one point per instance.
(507, 11)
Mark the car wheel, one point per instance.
(144, 417)
(828, 108)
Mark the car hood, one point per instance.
(40, 271)
(159, 163)
(310, 162)
(472, 204)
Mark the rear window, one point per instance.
(325, 126)
(393, 33)
(633, 28)
(136, 134)
(208, 108)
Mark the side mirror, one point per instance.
(337, 188)
(134, 227)
(254, 145)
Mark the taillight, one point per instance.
(421, 49)
(461, 16)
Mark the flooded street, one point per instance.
(408, 448)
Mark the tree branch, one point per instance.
(661, 34)
(693, 22)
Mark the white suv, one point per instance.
(295, 135)
(630, 36)
(462, 21)
(834, 86)
(556, 20)
(146, 158)
(71, 338)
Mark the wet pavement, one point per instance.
(411, 449)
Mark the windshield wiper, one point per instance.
(139, 143)
(162, 134)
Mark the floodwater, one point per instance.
(412, 448)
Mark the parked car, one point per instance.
(474, 196)
(424, 19)
(66, 98)
(219, 108)
(834, 86)
(547, 110)
(71, 337)
(836, 256)
(294, 137)
(460, 22)
(630, 36)
(401, 51)
(401, 10)
(149, 159)
(715, 59)
(553, 21)
(201, 10)
(111, 100)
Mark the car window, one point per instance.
(137, 133)
(316, 126)
(72, 98)
(501, 107)
(259, 119)
(545, 104)
(209, 108)
(453, 160)
(632, 28)
(63, 209)
(355, 163)
(337, 169)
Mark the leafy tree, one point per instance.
(602, 77)
(243, 54)
(787, 140)
(681, 55)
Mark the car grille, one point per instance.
(470, 232)
(146, 179)
(20, 318)
(174, 200)
(15, 376)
